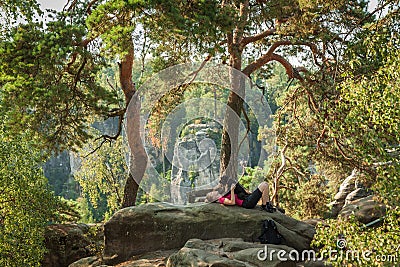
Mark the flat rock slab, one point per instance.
(162, 226)
(228, 253)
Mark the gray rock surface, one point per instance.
(162, 226)
(195, 153)
(92, 261)
(353, 199)
(67, 243)
(356, 194)
(347, 186)
(227, 252)
(365, 209)
(151, 259)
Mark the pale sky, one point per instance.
(52, 4)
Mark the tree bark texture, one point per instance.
(230, 133)
(138, 156)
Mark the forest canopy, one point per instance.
(329, 70)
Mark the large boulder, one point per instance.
(67, 243)
(92, 261)
(162, 226)
(365, 209)
(347, 186)
(353, 199)
(352, 192)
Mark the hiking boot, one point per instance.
(268, 208)
(281, 210)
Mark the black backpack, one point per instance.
(269, 233)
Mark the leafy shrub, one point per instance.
(26, 204)
(311, 198)
(375, 246)
(252, 178)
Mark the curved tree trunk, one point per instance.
(130, 191)
(138, 157)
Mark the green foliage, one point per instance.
(377, 243)
(275, 81)
(368, 122)
(67, 211)
(14, 10)
(179, 29)
(56, 110)
(310, 198)
(57, 171)
(96, 235)
(158, 192)
(85, 210)
(253, 177)
(101, 176)
(26, 203)
(90, 213)
(343, 117)
(115, 21)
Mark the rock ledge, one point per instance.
(162, 226)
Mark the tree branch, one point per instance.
(264, 58)
(251, 39)
(311, 101)
(337, 143)
(125, 74)
(319, 138)
(229, 40)
(117, 113)
(378, 9)
(89, 7)
(315, 51)
(69, 5)
(279, 173)
(196, 72)
(109, 138)
(286, 187)
(270, 55)
(78, 74)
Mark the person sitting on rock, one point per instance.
(248, 201)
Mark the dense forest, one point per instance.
(77, 83)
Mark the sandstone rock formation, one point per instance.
(195, 153)
(67, 243)
(224, 252)
(229, 252)
(347, 186)
(353, 199)
(365, 209)
(161, 226)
